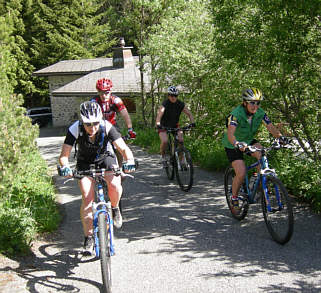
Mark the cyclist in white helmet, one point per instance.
(93, 136)
(168, 115)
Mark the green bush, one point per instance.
(27, 193)
(17, 230)
(301, 177)
(148, 139)
(208, 153)
(35, 190)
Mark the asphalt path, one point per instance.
(171, 241)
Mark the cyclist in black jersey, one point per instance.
(94, 137)
(168, 116)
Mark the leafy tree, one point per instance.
(19, 74)
(277, 46)
(180, 49)
(134, 20)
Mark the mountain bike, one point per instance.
(267, 188)
(178, 159)
(102, 220)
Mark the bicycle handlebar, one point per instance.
(171, 129)
(274, 146)
(99, 172)
(95, 173)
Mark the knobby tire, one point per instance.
(104, 253)
(243, 200)
(280, 220)
(184, 176)
(170, 162)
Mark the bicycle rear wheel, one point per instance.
(277, 210)
(104, 253)
(169, 168)
(184, 169)
(243, 200)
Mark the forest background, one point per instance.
(212, 49)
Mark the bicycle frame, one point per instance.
(173, 141)
(99, 205)
(265, 170)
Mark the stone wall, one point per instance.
(64, 109)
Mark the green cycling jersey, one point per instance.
(246, 126)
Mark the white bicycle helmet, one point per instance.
(172, 90)
(90, 112)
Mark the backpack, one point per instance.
(81, 133)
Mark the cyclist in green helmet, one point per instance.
(242, 126)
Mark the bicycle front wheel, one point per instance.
(277, 210)
(169, 167)
(184, 169)
(104, 253)
(241, 212)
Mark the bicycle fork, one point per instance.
(267, 197)
(103, 207)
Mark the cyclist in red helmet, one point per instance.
(111, 104)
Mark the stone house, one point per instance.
(73, 81)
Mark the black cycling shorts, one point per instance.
(107, 163)
(236, 154)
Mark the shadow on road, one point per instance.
(193, 225)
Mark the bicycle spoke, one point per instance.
(277, 210)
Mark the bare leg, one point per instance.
(164, 140)
(239, 168)
(86, 186)
(115, 189)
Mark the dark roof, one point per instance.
(125, 80)
(67, 67)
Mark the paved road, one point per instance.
(171, 242)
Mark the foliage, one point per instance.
(147, 138)
(17, 230)
(26, 192)
(35, 191)
(46, 32)
(278, 45)
(301, 176)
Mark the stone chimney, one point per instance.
(122, 55)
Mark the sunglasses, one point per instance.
(254, 103)
(91, 124)
(174, 96)
(103, 92)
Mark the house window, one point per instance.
(130, 104)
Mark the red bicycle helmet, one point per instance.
(104, 84)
